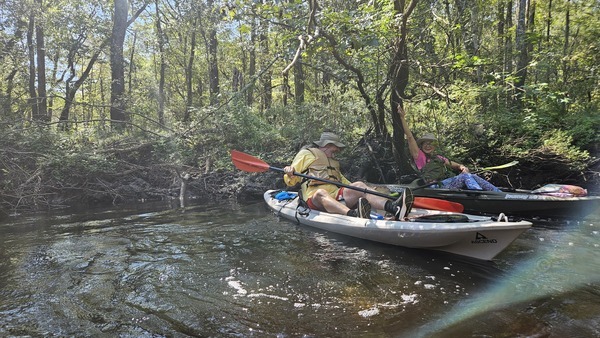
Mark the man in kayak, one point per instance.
(437, 168)
(318, 160)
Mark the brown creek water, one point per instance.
(236, 270)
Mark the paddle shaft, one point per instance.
(339, 184)
(502, 166)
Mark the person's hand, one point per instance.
(289, 170)
(401, 111)
(463, 169)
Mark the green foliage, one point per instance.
(474, 126)
(584, 126)
(560, 143)
(68, 167)
(461, 82)
(241, 127)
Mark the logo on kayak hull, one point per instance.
(481, 239)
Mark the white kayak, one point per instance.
(474, 236)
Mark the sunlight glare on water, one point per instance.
(567, 263)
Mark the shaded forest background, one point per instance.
(115, 100)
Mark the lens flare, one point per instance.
(563, 264)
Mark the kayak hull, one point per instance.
(480, 237)
(517, 203)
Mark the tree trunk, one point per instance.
(265, 80)
(213, 66)
(71, 89)
(251, 65)
(162, 66)
(474, 41)
(6, 105)
(547, 76)
(500, 31)
(398, 75)
(53, 81)
(549, 21)
(117, 65)
(42, 103)
(508, 46)
(237, 80)
(566, 44)
(379, 127)
(531, 32)
(7, 49)
(131, 65)
(31, 49)
(451, 33)
(267, 91)
(189, 77)
(326, 79)
(285, 84)
(500, 25)
(522, 56)
(299, 81)
(566, 52)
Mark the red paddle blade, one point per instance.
(437, 204)
(248, 163)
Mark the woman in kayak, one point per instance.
(318, 160)
(437, 168)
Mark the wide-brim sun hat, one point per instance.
(329, 137)
(427, 137)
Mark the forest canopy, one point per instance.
(118, 99)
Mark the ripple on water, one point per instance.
(188, 273)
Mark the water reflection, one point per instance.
(239, 271)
